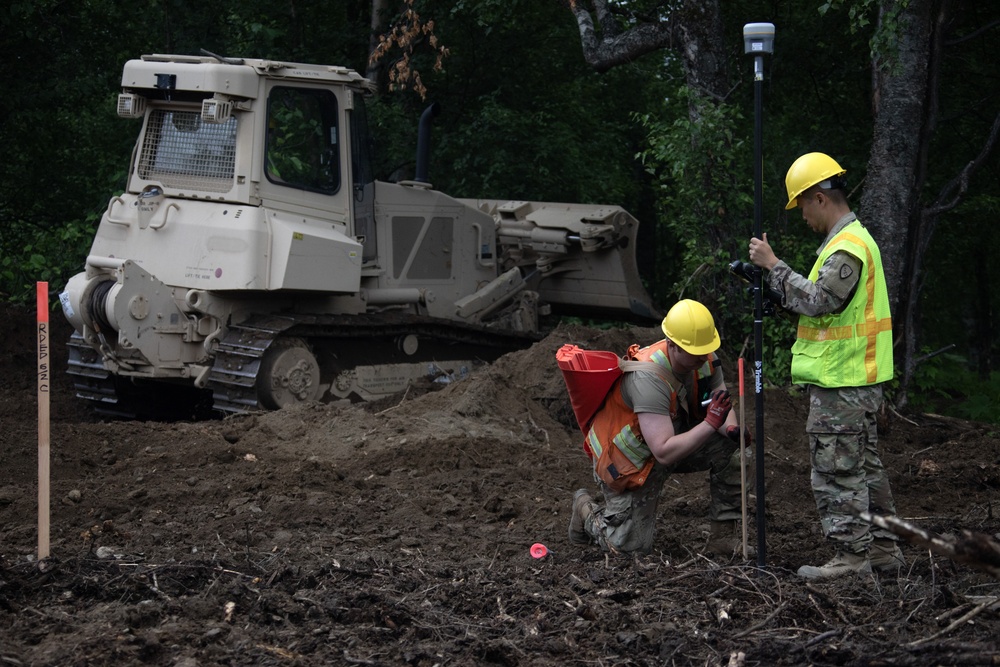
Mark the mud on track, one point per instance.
(398, 533)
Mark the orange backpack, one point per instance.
(590, 375)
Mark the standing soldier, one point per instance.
(843, 354)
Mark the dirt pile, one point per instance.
(399, 533)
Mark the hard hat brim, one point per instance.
(698, 350)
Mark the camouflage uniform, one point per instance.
(626, 520)
(847, 473)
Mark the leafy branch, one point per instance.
(406, 34)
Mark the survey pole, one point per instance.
(44, 369)
(758, 40)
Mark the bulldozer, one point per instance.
(254, 261)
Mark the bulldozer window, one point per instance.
(180, 151)
(302, 139)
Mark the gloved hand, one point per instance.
(733, 433)
(718, 408)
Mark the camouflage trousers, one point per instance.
(847, 473)
(626, 520)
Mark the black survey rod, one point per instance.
(758, 39)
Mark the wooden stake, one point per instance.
(42, 307)
(743, 464)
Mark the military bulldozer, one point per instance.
(254, 261)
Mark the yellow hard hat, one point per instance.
(807, 171)
(691, 326)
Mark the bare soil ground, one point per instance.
(398, 533)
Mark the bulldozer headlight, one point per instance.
(131, 106)
(216, 111)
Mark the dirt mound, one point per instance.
(398, 532)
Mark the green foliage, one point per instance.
(67, 152)
(704, 194)
(944, 383)
(51, 256)
(682, 149)
(603, 325)
(960, 264)
(297, 151)
(890, 25)
(779, 334)
(859, 11)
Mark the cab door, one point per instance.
(303, 152)
(362, 180)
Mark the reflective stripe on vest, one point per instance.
(854, 347)
(618, 425)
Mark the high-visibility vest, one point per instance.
(620, 455)
(852, 348)
(657, 352)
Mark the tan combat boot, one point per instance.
(885, 555)
(841, 564)
(724, 539)
(583, 507)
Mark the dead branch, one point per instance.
(393, 407)
(952, 192)
(972, 35)
(893, 410)
(977, 550)
(823, 637)
(757, 626)
(965, 618)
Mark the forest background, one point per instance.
(640, 103)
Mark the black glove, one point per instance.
(718, 409)
(733, 433)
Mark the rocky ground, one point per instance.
(398, 533)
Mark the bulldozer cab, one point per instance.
(293, 138)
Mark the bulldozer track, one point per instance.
(122, 397)
(92, 381)
(239, 356)
(232, 380)
(233, 377)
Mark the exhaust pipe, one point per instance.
(424, 142)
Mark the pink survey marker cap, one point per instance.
(539, 550)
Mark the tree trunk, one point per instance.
(379, 8)
(612, 46)
(903, 122)
(699, 31)
(895, 165)
(906, 98)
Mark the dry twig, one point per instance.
(977, 550)
(965, 618)
(757, 626)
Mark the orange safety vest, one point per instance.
(658, 352)
(621, 457)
